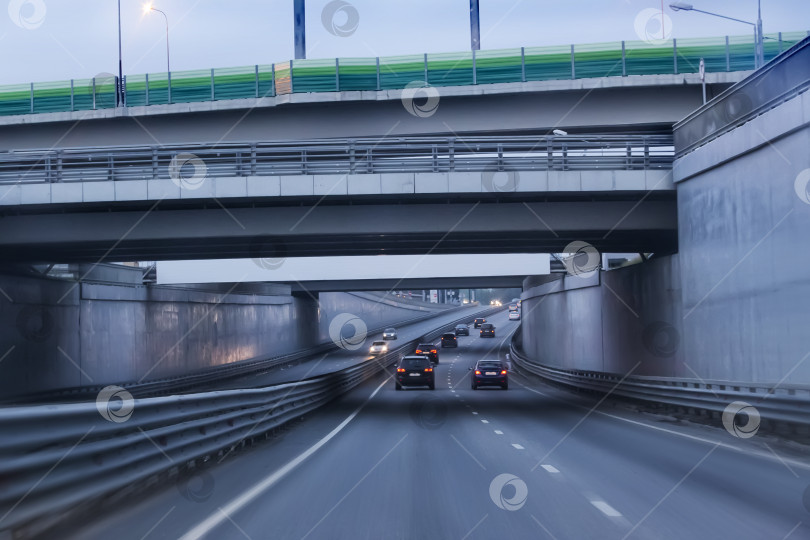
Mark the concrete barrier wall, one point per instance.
(744, 219)
(62, 334)
(617, 321)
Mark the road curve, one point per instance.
(530, 462)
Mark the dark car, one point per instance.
(487, 330)
(390, 333)
(429, 350)
(489, 373)
(478, 322)
(415, 371)
(462, 330)
(449, 340)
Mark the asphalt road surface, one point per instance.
(529, 462)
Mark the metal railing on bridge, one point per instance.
(620, 58)
(344, 156)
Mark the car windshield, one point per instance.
(378, 343)
(389, 329)
(415, 363)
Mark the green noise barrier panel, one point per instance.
(732, 53)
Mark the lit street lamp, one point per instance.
(759, 53)
(149, 7)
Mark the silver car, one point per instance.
(390, 333)
(378, 348)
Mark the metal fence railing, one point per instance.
(345, 156)
(621, 58)
(55, 458)
(781, 407)
(775, 83)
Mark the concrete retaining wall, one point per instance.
(614, 321)
(62, 334)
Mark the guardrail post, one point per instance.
(523, 64)
(475, 74)
(675, 55)
(378, 73)
(426, 69)
(352, 157)
(111, 168)
(154, 162)
(253, 160)
(273, 78)
(72, 108)
(573, 69)
(435, 150)
(780, 42)
(124, 90)
(48, 175)
(256, 71)
(291, 77)
(624, 61)
(147, 89)
(628, 160)
(646, 154)
(32, 98)
(169, 85)
(303, 162)
(337, 75)
(451, 153)
(212, 84)
(564, 157)
(728, 56)
(94, 93)
(59, 165)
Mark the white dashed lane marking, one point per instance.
(498, 432)
(606, 509)
(485, 421)
(516, 445)
(551, 468)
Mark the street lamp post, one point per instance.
(150, 7)
(120, 63)
(759, 51)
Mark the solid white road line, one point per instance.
(251, 494)
(749, 452)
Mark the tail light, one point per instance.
(477, 372)
(400, 370)
(433, 351)
(503, 372)
(428, 369)
(418, 351)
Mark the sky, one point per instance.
(51, 40)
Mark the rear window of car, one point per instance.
(461, 326)
(448, 336)
(425, 346)
(479, 320)
(415, 363)
(486, 326)
(489, 365)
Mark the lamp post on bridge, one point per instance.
(759, 52)
(149, 7)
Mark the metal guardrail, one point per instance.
(190, 381)
(785, 406)
(341, 156)
(783, 78)
(56, 457)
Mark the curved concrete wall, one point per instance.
(617, 321)
(63, 334)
